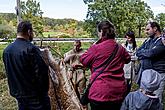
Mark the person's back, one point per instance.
(104, 86)
(27, 73)
(144, 98)
(25, 69)
(109, 88)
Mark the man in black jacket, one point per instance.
(27, 73)
(151, 54)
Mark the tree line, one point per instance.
(71, 27)
(124, 14)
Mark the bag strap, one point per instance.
(106, 62)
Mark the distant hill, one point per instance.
(8, 16)
(70, 27)
(47, 21)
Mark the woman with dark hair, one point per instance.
(129, 69)
(109, 89)
(130, 42)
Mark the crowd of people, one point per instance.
(112, 70)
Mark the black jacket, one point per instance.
(26, 71)
(151, 53)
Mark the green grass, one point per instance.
(6, 101)
(2, 70)
(46, 34)
(63, 47)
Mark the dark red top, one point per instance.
(110, 85)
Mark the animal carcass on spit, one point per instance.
(61, 92)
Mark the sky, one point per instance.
(75, 9)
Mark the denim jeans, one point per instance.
(34, 103)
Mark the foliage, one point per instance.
(31, 11)
(2, 69)
(124, 14)
(160, 18)
(7, 25)
(8, 17)
(49, 34)
(6, 31)
(69, 26)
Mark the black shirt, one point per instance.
(26, 71)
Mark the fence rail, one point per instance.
(68, 39)
(82, 39)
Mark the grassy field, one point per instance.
(2, 75)
(46, 34)
(6, 101)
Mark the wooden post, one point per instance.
(18, 12)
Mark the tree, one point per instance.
(6, 31)
(31, 11)
(6, 18)
(124, 14)
(160, 18)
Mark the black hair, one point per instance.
(78, 41)
(132, 36)
(108, 29)
(155, 24)
(24, 26)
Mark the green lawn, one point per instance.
(46, 34)
(2, 74)
(6, 101)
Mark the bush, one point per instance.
(6, 31)
(2, 69)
